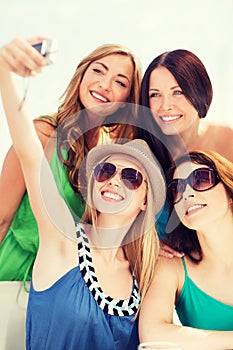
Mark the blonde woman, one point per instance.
(76, 300)
(109, 75)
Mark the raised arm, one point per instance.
(156, 316)
(12, 184)
(19, 57)
(44, 198)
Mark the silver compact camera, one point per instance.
(48, 49)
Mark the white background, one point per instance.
(148, 27)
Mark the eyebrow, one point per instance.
(172, 88)
(105, 67)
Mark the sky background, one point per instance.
(148, 27)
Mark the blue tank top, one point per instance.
(161, 220)
(197, 309)
(75, 314)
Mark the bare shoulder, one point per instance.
(169, 267)
(45, 128)
(216, 128)
(219, 138)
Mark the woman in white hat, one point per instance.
(89, 278)
(110, 73)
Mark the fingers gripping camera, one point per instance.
(48, 49)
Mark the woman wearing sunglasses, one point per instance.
(88, 278)
(178, 92)
(200, 194)
(109, 74)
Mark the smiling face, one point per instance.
(170, 108)
(198, 210)
(106, 80)
(113, 197)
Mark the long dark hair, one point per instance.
(182, 238)
(189, 72)
(149, 131)
(193, 79)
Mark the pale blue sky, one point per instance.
(148, 27)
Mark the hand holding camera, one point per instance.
(19, 55)
(24, 57)
(48, 49)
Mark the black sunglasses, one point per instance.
(201, 179)
(131, 178)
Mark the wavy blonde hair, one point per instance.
(69, 112)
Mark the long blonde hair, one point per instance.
(68, 115)
(142, 243)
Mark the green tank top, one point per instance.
(197, 309)
(23, 232)
(24, 225)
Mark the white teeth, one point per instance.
(194, 207)
(111, 195)
(170, 118)
(94, 94)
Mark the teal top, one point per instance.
(197, 309)
(19, 248)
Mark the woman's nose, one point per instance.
(188, 192)
(105, 83)
(166, 103)
(115, 180)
